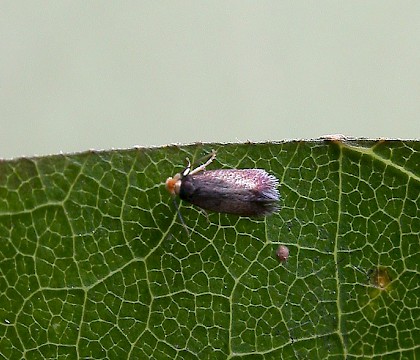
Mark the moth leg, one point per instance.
(181, 218)
(206, 214)
(202, 167)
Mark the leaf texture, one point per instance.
(94, 262)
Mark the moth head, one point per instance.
(173, 184)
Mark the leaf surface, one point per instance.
(94, 262)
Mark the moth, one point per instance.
(243, 192)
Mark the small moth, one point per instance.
(243, 192)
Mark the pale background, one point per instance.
(78, 75)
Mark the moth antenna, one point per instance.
(187, 170)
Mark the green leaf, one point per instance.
(94, 262)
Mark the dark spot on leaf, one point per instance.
(380, 277)
(282, 253)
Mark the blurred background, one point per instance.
(78, 75)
